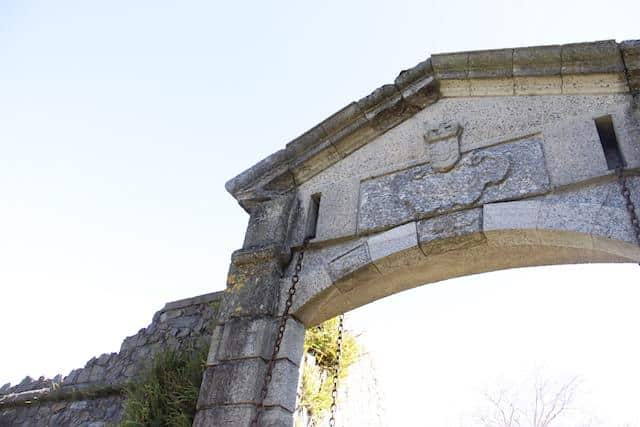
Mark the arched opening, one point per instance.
(438, 349)
(499, 250)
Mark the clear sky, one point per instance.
(120, 121)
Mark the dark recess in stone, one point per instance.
(609, 142)
(312, 216)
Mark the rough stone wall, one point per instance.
(92, 396)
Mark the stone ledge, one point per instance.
(595, 67)
(186, 302)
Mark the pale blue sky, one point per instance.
(120, 122)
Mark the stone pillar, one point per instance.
(247, 326)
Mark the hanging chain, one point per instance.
(336, 374)
(629, 202)
(281, 328)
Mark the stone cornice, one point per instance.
(581, 68)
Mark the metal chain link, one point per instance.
(628, 202)
(281, 328)
(336, 374)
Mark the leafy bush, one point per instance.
(168, 393)
(321, 343)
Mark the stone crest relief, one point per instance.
(501, 172)
(442, 144)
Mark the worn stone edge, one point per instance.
(414, 89)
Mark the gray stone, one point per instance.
(270, 222)
(356, 260)
(349, 262)
(592, 58)
(225, 416)
(244, 338)
(457, 230)
(240, 381)
(507, 171)
(443, 145)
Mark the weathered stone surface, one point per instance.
(270, 222)
(349, 262)
(225, 416)
(453, 231)
(239, 381)
(397, 239)
(491, 64)
(631, 56)
(395, 249)
(244, 338)
(179, 325)
(355, 260)
(591, 58)
(252, 284)
(574, 152)
(443, 145)
(502, 172)
(451, 65)
(562, 219)
(537, 61)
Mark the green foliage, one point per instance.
(321, 342)
(167, 394)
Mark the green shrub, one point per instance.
(167, 394)
(321, 342)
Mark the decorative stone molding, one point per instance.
(580, 68)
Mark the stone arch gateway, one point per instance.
(469, 162)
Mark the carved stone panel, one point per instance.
(443, 145)
(502, 172)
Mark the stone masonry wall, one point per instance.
(92, 396)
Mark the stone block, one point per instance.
(276, 417)
(631, 57)
(510, 215)
(244, 338)
(537, 61)
(454, 88)
(594, 84)
(315, 160)
(270, 221)
(253, 284)
(421, 93)
(511, 223)
(602, 57)
(573, 151)
(225, 416)
(356, 260)
(240, 381)
(395, 249)
(502, 172)
(442, 145)
(453, 231)
(338, 205)
(348, 129)
(447, 66)
(491, 64)
(492, 87)
(349, 262)
(385, 108)
(283, 386)
(389, 242)
(538, 85)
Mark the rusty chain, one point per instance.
(295, 278)
(336, 374)
(624, 189)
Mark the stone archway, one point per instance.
(469, 162)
